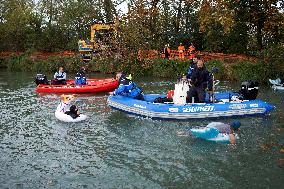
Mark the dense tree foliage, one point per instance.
(230, 26)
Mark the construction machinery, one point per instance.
(103, 40)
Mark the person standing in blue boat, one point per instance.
(200, 79)
(59, 77)
(127, 87)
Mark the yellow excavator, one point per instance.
(103, 39)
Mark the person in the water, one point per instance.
(232, 129)
(73, 112)
(66, 101)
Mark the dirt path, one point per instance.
(147, 54)
(42, 55)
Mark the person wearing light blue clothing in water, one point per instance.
(231, 129)
(216, 131)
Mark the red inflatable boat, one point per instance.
(93, 86)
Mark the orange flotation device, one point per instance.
(170, 94)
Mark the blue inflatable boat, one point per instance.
(224, 106)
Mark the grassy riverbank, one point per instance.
(228, 70)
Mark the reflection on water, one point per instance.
(115, 150)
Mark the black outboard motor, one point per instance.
(249, 90)
(41, 79)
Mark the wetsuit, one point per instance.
(73, 112)
(200, 79)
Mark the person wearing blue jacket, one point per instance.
(192, 66)
(127, 87)
(80, 77)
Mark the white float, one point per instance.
(63, 107)
(67, 118)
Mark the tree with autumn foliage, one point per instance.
(230, 26)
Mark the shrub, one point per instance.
(218, 64)
(24, 63)
(252, 71)
(169, 68)
(238, 71)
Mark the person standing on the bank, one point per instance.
(167, 51)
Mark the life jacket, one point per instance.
(80, 79)
(41, 79)
(181, 49)
(191, 49)
(60, 75)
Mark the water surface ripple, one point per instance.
(115, 150)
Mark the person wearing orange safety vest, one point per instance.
(181, 50)
(191, 51)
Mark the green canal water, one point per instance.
(115, 150)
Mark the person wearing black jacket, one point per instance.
(200, 80)
(73, 112)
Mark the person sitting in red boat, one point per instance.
(59, 77)
(127, 87)
(80, 78)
